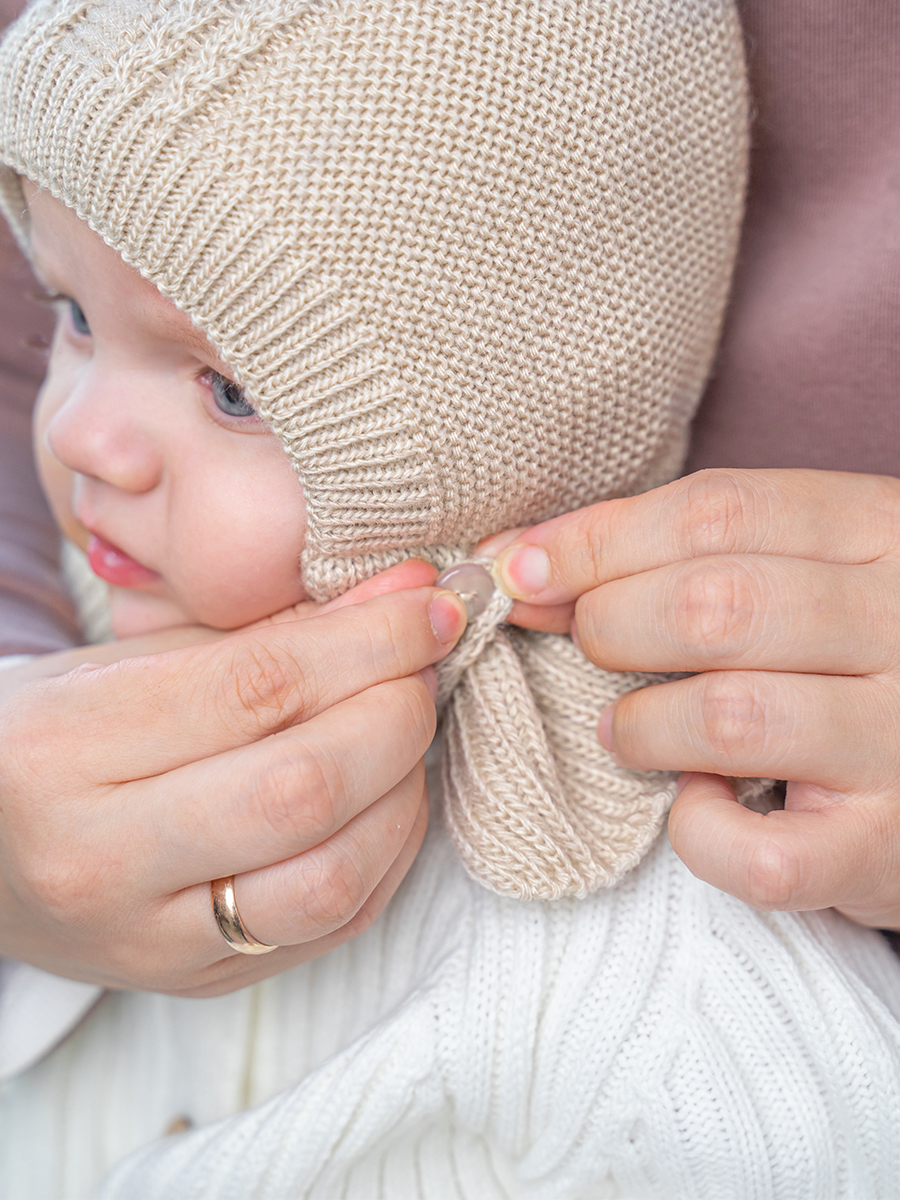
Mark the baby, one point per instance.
(341, 284)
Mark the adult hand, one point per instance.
(288, 755)
(781, 590)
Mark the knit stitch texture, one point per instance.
(469, 262)
(656, 1041)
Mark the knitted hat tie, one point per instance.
(535, 805)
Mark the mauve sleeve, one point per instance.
(35, 614)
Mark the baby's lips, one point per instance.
(115, 566)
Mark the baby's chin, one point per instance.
(134, 613)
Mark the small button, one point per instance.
(472, 583)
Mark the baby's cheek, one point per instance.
(248, 564)
(56, 479)
(134, 613)
(234, 532)
(248, 596)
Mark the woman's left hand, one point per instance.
(780, 591)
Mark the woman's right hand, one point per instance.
(288, 755)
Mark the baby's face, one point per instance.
(183, 499)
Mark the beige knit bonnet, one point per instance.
(468, 259)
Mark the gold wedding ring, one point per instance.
(229, 921)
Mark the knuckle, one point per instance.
(712, 607)
(388, 643)
(334, 889)
(718, 514)
(416, 712)
(265, 686)
(30, 760)
(591, 615)
(294, 796)
(773, 877)
(385, 642)
(67, 886)
(363, 920)
(592, 550)
(733, 719)
(583, 538)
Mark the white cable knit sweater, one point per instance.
(657, 1040)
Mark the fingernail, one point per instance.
(525, 571)
(573, 633)
(605, 734)
(604, 727)
(447, 614)
(430, 680)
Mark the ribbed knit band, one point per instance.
(468, 259)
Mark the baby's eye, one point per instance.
(229, 397)
(79, 320)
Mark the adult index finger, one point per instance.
(823, 515)
(145, 716)
(413, 573)
(266, 802)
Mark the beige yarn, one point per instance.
(89, 593)
(467, 259)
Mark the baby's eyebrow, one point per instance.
(44, 278)
(170, 321)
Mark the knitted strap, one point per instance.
(536, 807)
(479, 633)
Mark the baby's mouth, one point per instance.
(117, 567)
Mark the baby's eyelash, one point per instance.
(229, 396)
(48, 297)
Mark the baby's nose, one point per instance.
(94, 434)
